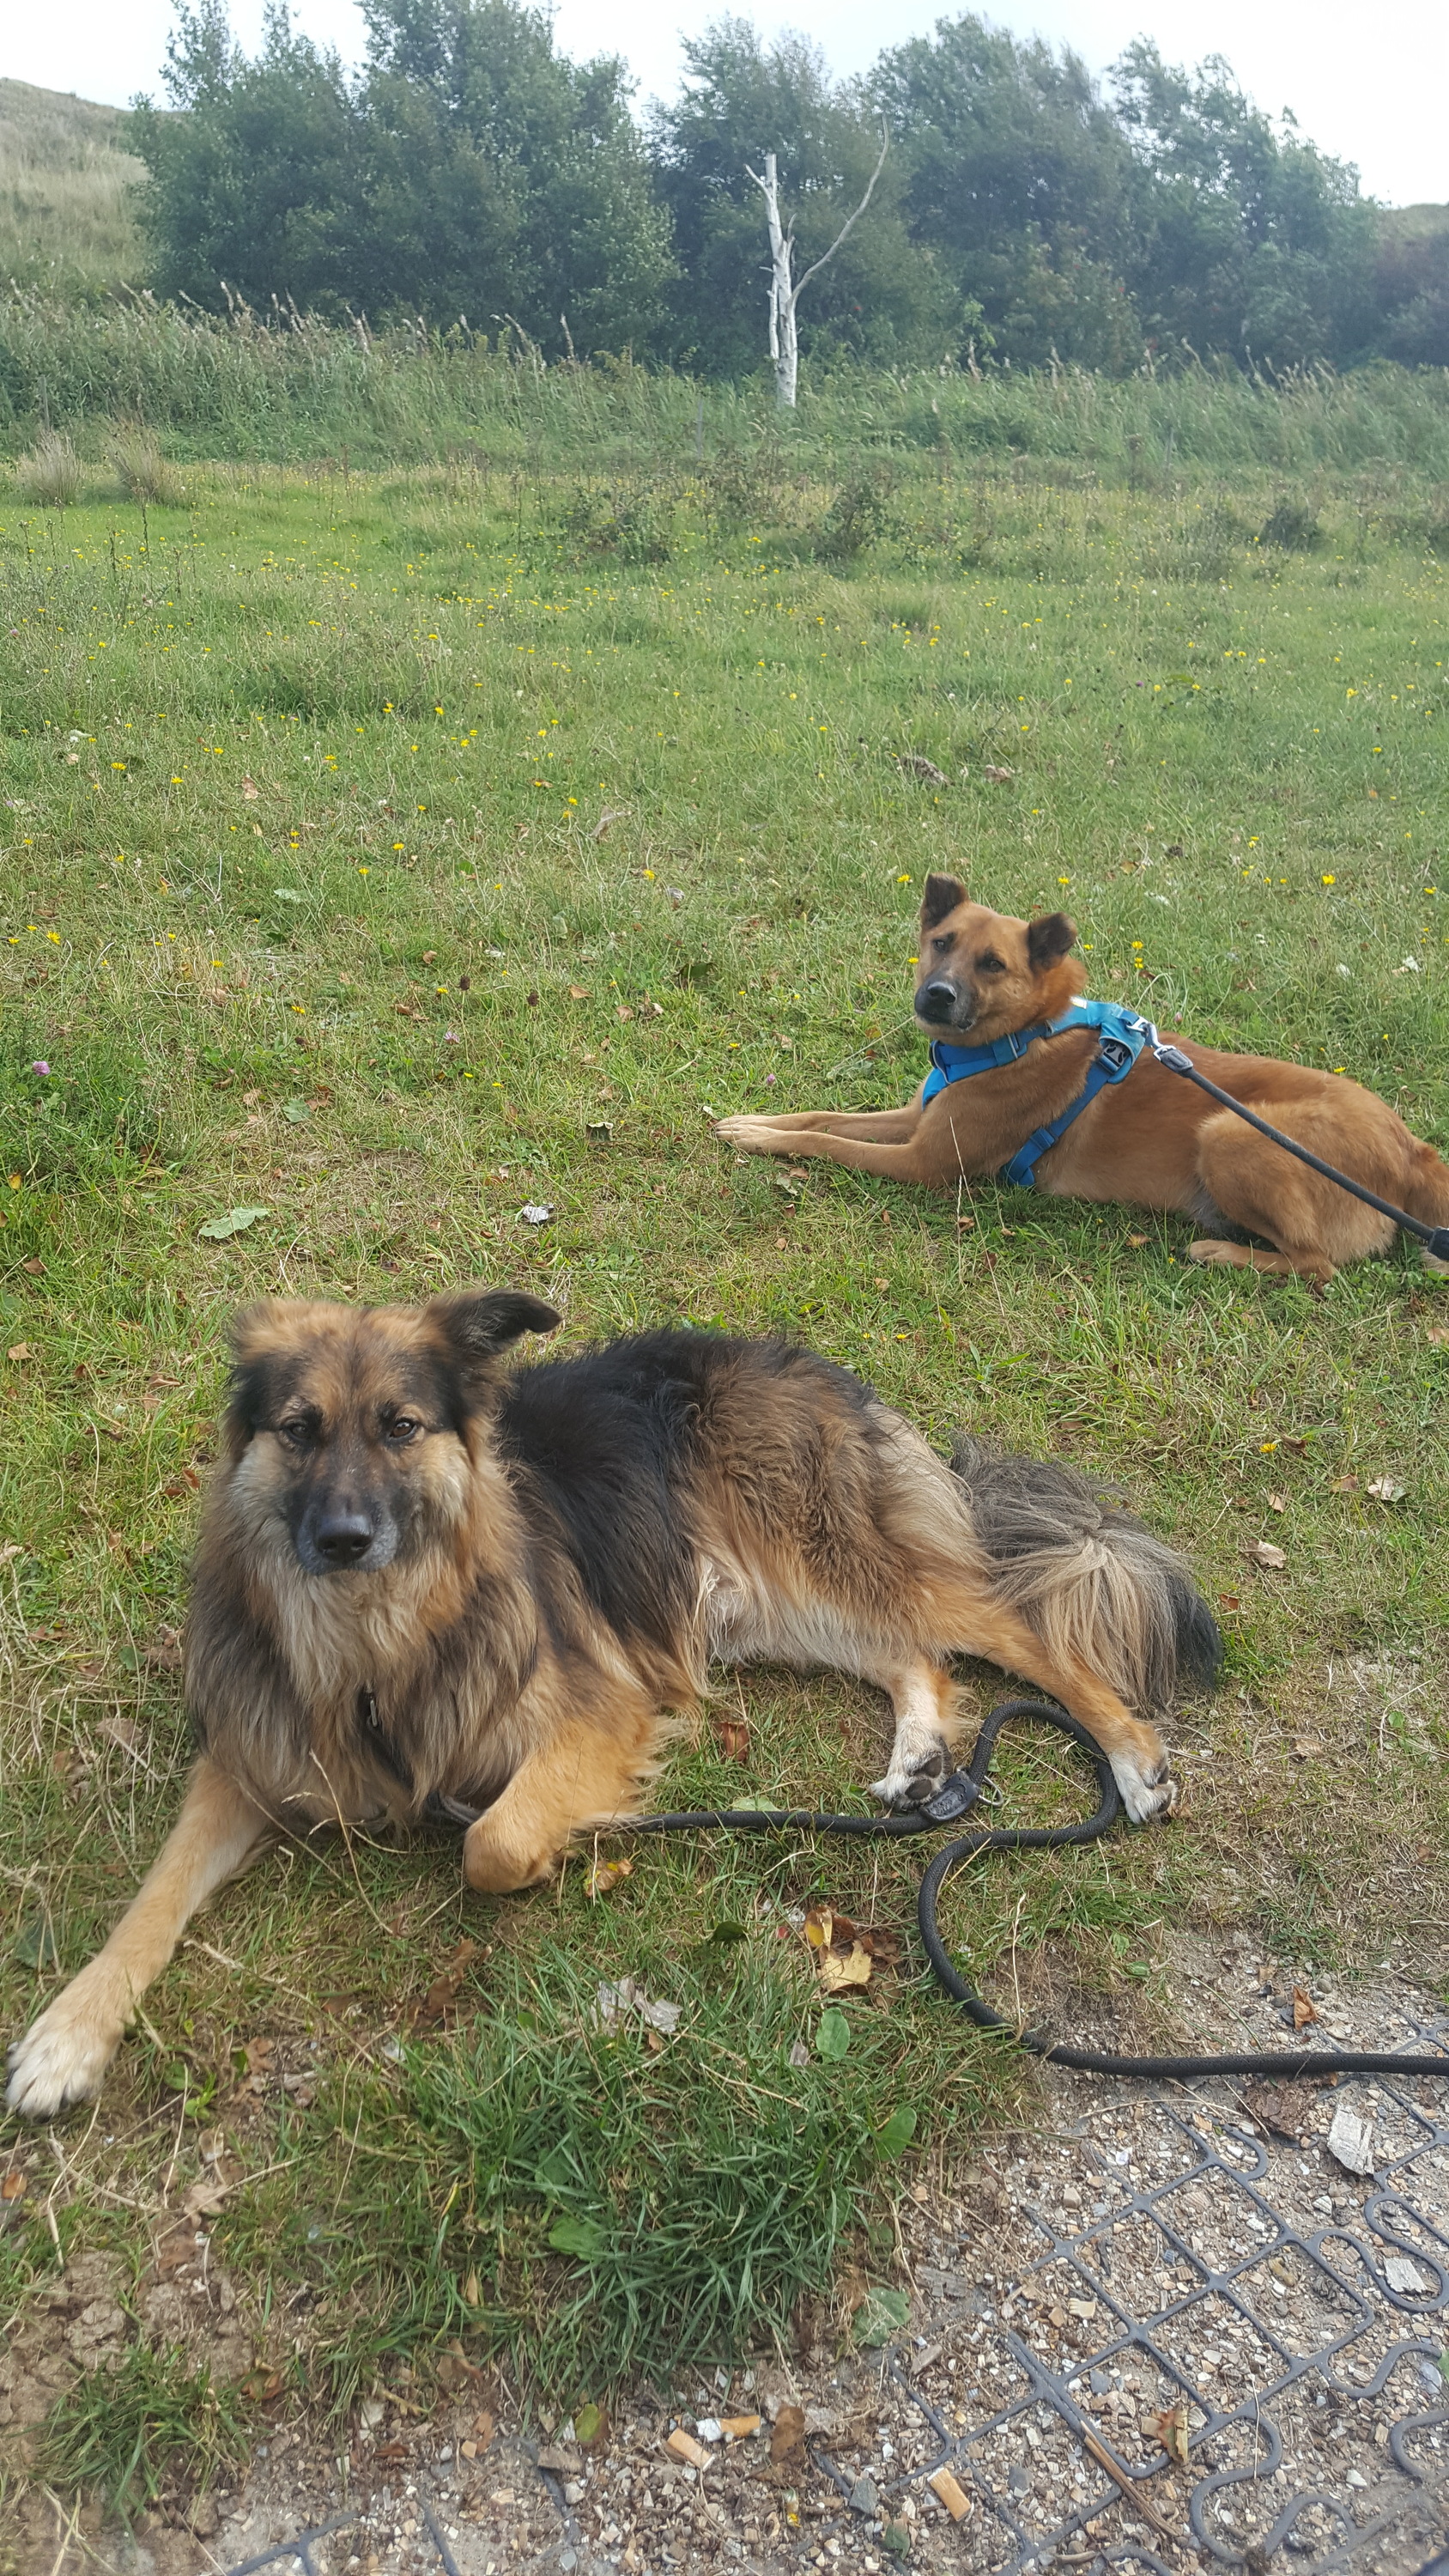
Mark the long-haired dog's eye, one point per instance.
(403, 1428)
(298, 1433)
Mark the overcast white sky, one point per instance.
(1373, 90)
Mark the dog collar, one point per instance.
(1121, 1037)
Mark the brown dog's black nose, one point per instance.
(935, 1001)
(342, 1537)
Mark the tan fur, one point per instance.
(804, 1523)
(1153, 1140)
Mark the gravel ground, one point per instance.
(1143, 2273)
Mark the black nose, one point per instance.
(936, 1001)
(342, 1537)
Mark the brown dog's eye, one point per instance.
(992, 965)
(299, 1433)
(941, 945)
(403, 1428)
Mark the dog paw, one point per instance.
(62, 2059)
(1216, 1256)
(757, 1135)
(916, 1773)
(1147, 1790)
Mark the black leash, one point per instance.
(955, 1799)
(1434, 1237)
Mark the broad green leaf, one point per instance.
(832, 2035)
(297, 1111)
(581, 2236)
(587, 2422)
(898, 2132)
(881, 2314)
(236, 1221)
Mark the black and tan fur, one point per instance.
(423, 1576)
(1154, 1139)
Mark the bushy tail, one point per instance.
(1090, 1581)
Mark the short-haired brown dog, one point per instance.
(1153, 1138)
(429, 1581)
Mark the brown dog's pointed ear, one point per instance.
(1049, 939)
(941, 896)
(480, 1323)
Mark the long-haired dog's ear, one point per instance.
(258, 1339)
(1049, 939)
(479, 1324)
(941, 896)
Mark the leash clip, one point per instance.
(1171, 1056)
(954, 1798)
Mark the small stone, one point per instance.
(1403, 2275)
(1019, 2481)
(863, 2497)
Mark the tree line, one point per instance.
(1026, 214)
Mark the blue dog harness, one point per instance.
(1121, 1037)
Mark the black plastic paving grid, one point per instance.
(1400, 2521)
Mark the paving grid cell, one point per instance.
(1218, 2317)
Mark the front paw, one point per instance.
(916, 1773)
(755, 1135)
(62, 2058)
(1147, 1790)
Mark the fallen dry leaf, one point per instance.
(13, 2186)
(1306, 1745)
(581, 992)
(916, 765)
(19, 1351)
(610, 814)
(1437, 1333)
(732, 1734)
(1263, 1553)
(1137, 1241)
(1170, 2429)
(1229, 1601)
(442, 1994)
(1384, 1489)
(998, 772)
(1305, 2009)
(788, 2437)
(626, 1997)
(1284, 2110)
(1343, 1485)
(1277, 1502)
(204, 2199)
(605, 1874)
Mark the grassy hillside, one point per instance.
(66, 192)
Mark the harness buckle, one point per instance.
(1116, 1055)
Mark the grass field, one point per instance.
(67, 193)
(387, 855)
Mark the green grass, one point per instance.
(67, 194)
(313, 907)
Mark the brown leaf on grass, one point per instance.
(1170, 2429)
(916, 765)
(998, 771)
(1137, 1241)
(263, 2387)
(1343, 1485)
(1305, 1745)
(1277, 1502)
(604, 1874)
(846, 1956)
(610, 814)
(249, 791)
(20, 1351)
(437, 2004)
(580, 992)
(1282, 2110)
(1305, 2009)
(36, 1268)
(732, 1734)
(787, 2441)
(14, 2185)
(1436, 1333)
(204, 2199)
(1229, 1601)
(1262, 1552)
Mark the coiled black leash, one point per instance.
(955, 1799)
(1435, 1238)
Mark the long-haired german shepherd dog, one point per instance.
(1152, 1139)
(422, 1577)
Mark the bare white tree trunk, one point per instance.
(785, 295)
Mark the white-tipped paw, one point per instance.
(917, 1770)
(1147, 1790)
(755, 1134)
(62, 2058)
